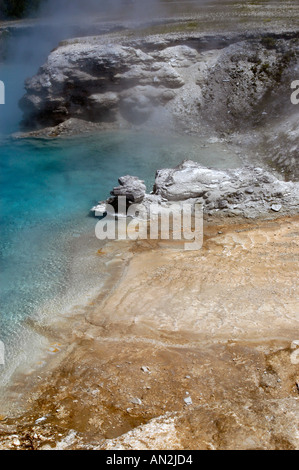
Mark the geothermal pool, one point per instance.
(47, 188)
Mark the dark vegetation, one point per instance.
(15, 9)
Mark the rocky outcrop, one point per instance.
(99, 82)
(131, 187)
(227, 81)
(248, 191)
(228, 85)
(244, 191)
(282, 141)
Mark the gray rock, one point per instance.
(222, 204)
(188, 401)
(87, 78)
(100, 209)
(131, 187)
(227, 189)
(104, 101)
(276, 207)
(136, 401)
(119, 80)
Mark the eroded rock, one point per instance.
(225, 86)
(131, 187)
(247, 190)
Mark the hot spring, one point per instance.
(47, 189)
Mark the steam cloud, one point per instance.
(67, 11)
